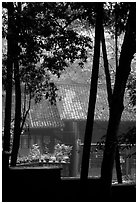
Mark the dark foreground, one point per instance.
(45, 184)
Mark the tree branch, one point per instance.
(26, 113)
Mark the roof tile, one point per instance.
(74, 103)
(72, 106)
(41, 115)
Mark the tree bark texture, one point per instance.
(17, 124)
(118, 165)
(92, 97)
(17, 129)
(122, 73)
(106, 69)
(109, 94)
(8, 102)
(117, 155)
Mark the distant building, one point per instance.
(65, 122)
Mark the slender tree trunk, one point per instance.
(122, 73)
(118, 165)
(92, 98)
(117, 156)
(17, 129)
(106, 69)
(8, 102)
(109, 93)
(17, 124)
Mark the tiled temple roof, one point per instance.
(74, 103)
(72, 106)
(44, 114)
(41, 115)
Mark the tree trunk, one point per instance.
(17, 129)
(122, 73)
(17, 124)
(118, 165)
(117, 156)
(106, 69)
(92, 98)
(8, 102)
(109, 93)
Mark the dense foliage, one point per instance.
(46, 42)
